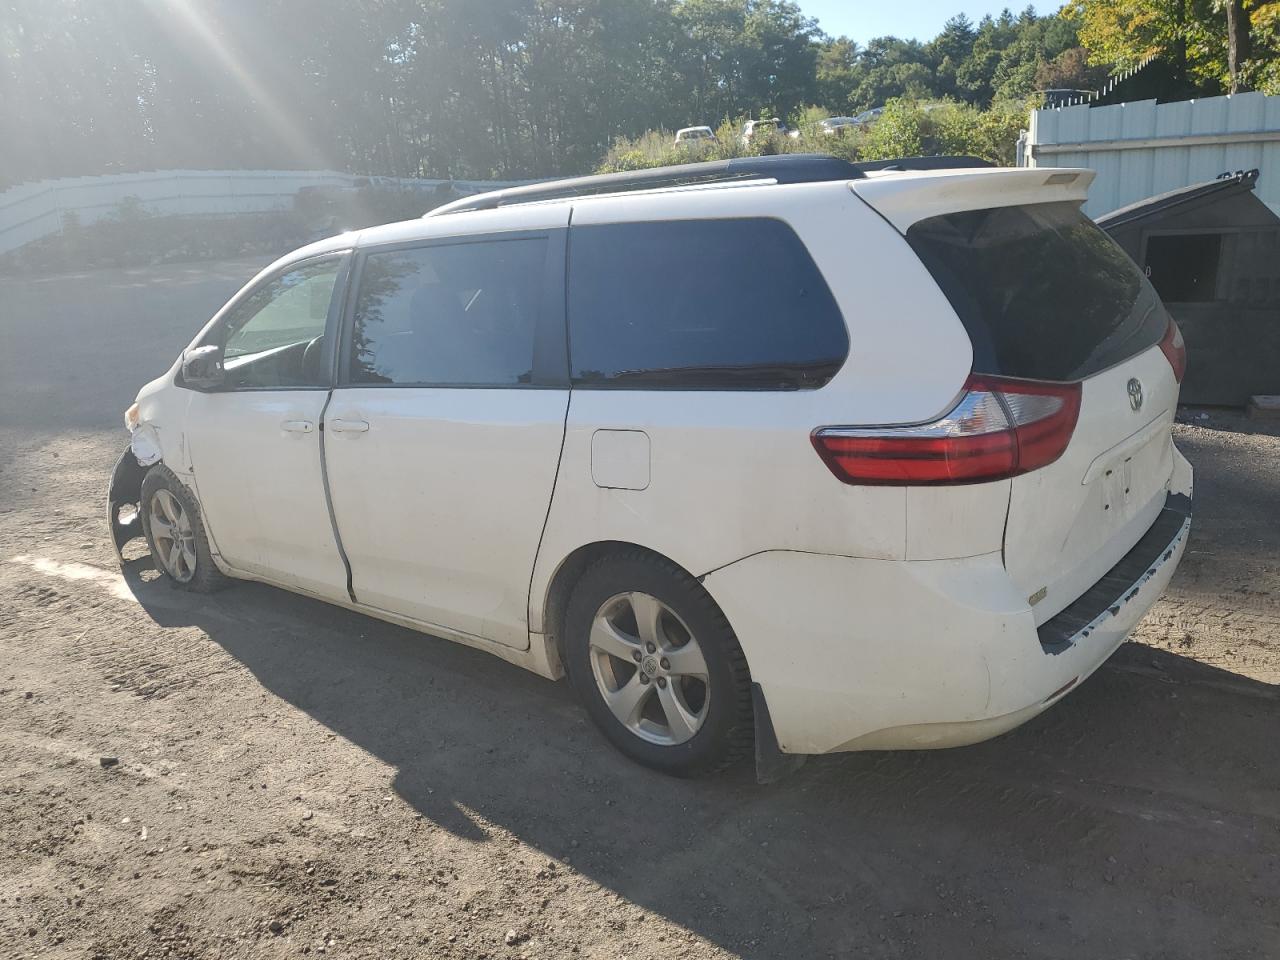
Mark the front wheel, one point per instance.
(657, 666)
(176, 534)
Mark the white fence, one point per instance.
(30, 211)
(1142, 149)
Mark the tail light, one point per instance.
(1175, 350)
(1000, 428)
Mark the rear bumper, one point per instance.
(855, 654)
(1108, 600)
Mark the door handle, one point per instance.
(298, 426)
(349, 426)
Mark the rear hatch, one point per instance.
(1046, 296)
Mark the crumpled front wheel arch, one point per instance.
(125, 491)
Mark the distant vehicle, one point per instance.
(868, 116)
(740, 483)
(835, 125)
(771, 125)
(694, 135)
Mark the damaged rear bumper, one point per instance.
(861, 654)
(1108, 599)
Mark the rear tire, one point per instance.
(657, 666)
(176, 535)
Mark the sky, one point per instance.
(861, 20)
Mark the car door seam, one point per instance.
(564, 431)
(328, 498)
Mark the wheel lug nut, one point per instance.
(666, 664)
(662, 681)
(644, 677)
(636, 656)
(650, 647)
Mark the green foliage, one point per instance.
(906, 128)
(1191, 34)
(1000, 58)
(898, 132)
(909, 128)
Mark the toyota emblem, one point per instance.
(1135, 393)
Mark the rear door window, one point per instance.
(700, 304)
(1043, 292)
(458, 314)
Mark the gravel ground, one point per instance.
(291, 780)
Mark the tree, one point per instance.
(1229, 42)
(1237, 40)
(1069, 70)
(459, 88)
(837, 71)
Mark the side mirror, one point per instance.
(202, 368)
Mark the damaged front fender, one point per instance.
(124, 496)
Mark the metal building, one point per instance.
(1143, 148)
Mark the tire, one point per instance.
(168, 505)
(686, 715)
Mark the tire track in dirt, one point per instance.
(140, 658)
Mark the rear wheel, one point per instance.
(657, 666)
(176, 534)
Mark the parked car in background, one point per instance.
(752, 128)
(690, 136)
(674, 439)
(868, 116)
(837, 125)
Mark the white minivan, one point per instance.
(773, 453)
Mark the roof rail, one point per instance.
(958, 162)
(782, 168)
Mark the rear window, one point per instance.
(1042, 291)
(700, 305)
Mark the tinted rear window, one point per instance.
(1042, 291)
(700, 304)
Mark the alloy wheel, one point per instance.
(649, 669)
(172, 536)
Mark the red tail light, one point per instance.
(1175, 350)
(1000, 428)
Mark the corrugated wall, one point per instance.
(1142, 149)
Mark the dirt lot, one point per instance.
(297, 780)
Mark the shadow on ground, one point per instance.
(1127, 815)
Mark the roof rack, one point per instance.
(781, 168)
(958, 162)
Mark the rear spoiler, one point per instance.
(905, 198)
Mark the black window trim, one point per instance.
(550, 370)
(213, 333)
(657, 385)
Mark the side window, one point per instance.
(460, 314)
(700, 304)
(275, 338)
